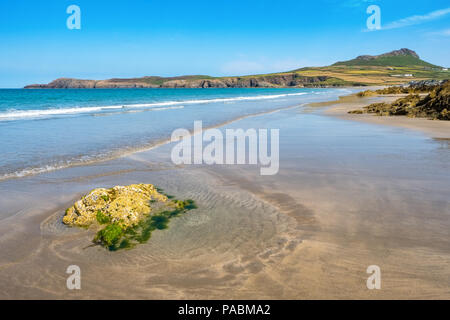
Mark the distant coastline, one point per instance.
(269, 81)
(395, 67)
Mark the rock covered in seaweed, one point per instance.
(126, 216)
(124, 205)
(437, 104)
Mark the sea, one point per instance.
(43, 130)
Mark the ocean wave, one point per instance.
(39, 113)
(76, 160)
(69, 162)
(31, 171)
(113, 154)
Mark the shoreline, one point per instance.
(31, 171)
(183, 88)
(127, 152)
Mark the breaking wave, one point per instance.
(29, 114)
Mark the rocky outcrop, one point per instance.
(423, 86)
(125, 215)
(125, 206)
(401, 52)
(395, 53)
(401, 107)
(436, 105)
(426, 84)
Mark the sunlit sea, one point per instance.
(47, 129)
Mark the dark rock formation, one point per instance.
(422, 86)
(436, 105)
(426, 83)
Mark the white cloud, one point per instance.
(445, 33)
(416, 19)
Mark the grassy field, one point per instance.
(367, 75)
(375, 75)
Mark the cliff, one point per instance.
(284, 80)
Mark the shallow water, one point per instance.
(42, 130)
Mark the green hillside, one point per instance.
(393, 61)
(398, 58)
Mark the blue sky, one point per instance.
(225, 37)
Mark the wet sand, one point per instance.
(433, 128)
(348, 195)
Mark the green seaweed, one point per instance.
(102, 218)
(109, 236)
(115, 237)
(190, 204)
(160, 222)
(125, 244)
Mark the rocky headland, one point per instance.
(270, 81)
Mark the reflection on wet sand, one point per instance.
(348, 195)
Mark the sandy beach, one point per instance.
(352, 191)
